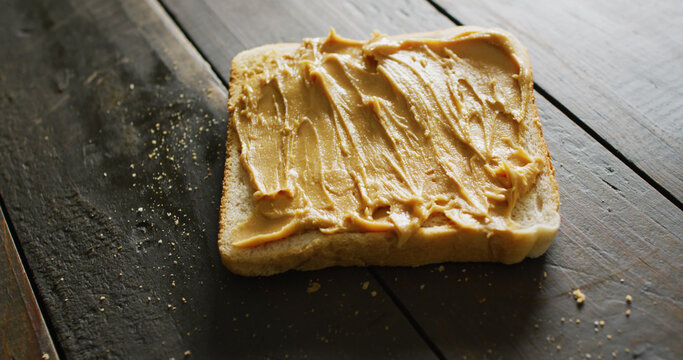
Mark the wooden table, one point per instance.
(112, 148)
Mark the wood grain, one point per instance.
(617, 65)
(614, 225)
(112, 148)
(23, 333)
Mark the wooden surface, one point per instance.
(24, 333)
(112, 148)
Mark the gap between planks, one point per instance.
(392, 295)
(585, 127)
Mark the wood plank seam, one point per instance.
(406, 313)
(48, 346)
(196, 48)
(393, 296)
(592, 133)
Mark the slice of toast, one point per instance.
(532, 218)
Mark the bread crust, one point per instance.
(536, 211)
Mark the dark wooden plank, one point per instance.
(23, 333)
(112, 150)
(614, 64)
(614, 226)
(221, 29)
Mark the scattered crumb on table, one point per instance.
(579, 296)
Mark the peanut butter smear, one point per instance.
(340, 135)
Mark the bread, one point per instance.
(534, 214)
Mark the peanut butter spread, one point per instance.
(348, 136)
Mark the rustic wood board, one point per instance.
(615, 225)
(65, 130)
(112, 146)
(616, 65)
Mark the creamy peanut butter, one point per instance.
(348, 136)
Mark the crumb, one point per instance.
(621, 280)
(609, 337)
(562, 319)
(558, 347)
(627, 350)
(545, 274)
(183, 300)
(601, 323)
(102, 298)
(442, 268)
(629, 299)
(187, 353)
(313, 287)
(373, 293)
(365, 285)
(628, 312)
(131, 86)
(422, 287)
(579, 296)
(45, 356)
(578, 321)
